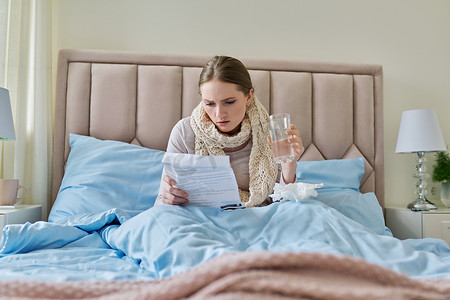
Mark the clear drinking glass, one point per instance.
(282, 149)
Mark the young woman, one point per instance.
(231, 121)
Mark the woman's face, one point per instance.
(225, 104)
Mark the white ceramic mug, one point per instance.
(282, 149)
(9, 190)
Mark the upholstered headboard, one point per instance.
(138, 98)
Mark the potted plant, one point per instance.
(441, 173)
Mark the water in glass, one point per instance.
(282, 149)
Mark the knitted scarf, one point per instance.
(210, 141)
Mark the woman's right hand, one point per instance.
(172, 195)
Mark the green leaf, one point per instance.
(441, 167)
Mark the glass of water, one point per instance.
(282, 149)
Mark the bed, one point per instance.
(105, 239)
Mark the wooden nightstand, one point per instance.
(19, 214)
(406, 224)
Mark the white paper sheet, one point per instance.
(209, 180)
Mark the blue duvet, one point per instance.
(166, 240)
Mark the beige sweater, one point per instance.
(182, 140)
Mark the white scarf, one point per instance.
(210, 141)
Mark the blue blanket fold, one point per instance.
(166, 240)
(169, 240)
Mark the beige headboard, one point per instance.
(138, 97)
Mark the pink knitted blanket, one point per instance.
(250, 275)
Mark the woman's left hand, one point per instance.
(296, 142)
(288, 169)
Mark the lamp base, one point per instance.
(421, 205)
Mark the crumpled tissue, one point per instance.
(297, 191)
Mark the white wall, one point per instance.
(410, 38)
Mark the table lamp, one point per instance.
(420, 133)
(6, 120)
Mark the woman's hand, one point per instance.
(170, 194)
(288, 169)
(296, 142)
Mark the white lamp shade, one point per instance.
(420, 132)
(6, 120)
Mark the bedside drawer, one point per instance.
(407, 224)
(2, 222)
(437, 226)
(20, 214)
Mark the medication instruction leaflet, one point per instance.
(209, 180)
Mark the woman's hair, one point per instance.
(227, 69)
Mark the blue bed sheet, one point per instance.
(166, 240)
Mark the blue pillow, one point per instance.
(336, 173)
(103, 174)
(362, 208)
(342, 179)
